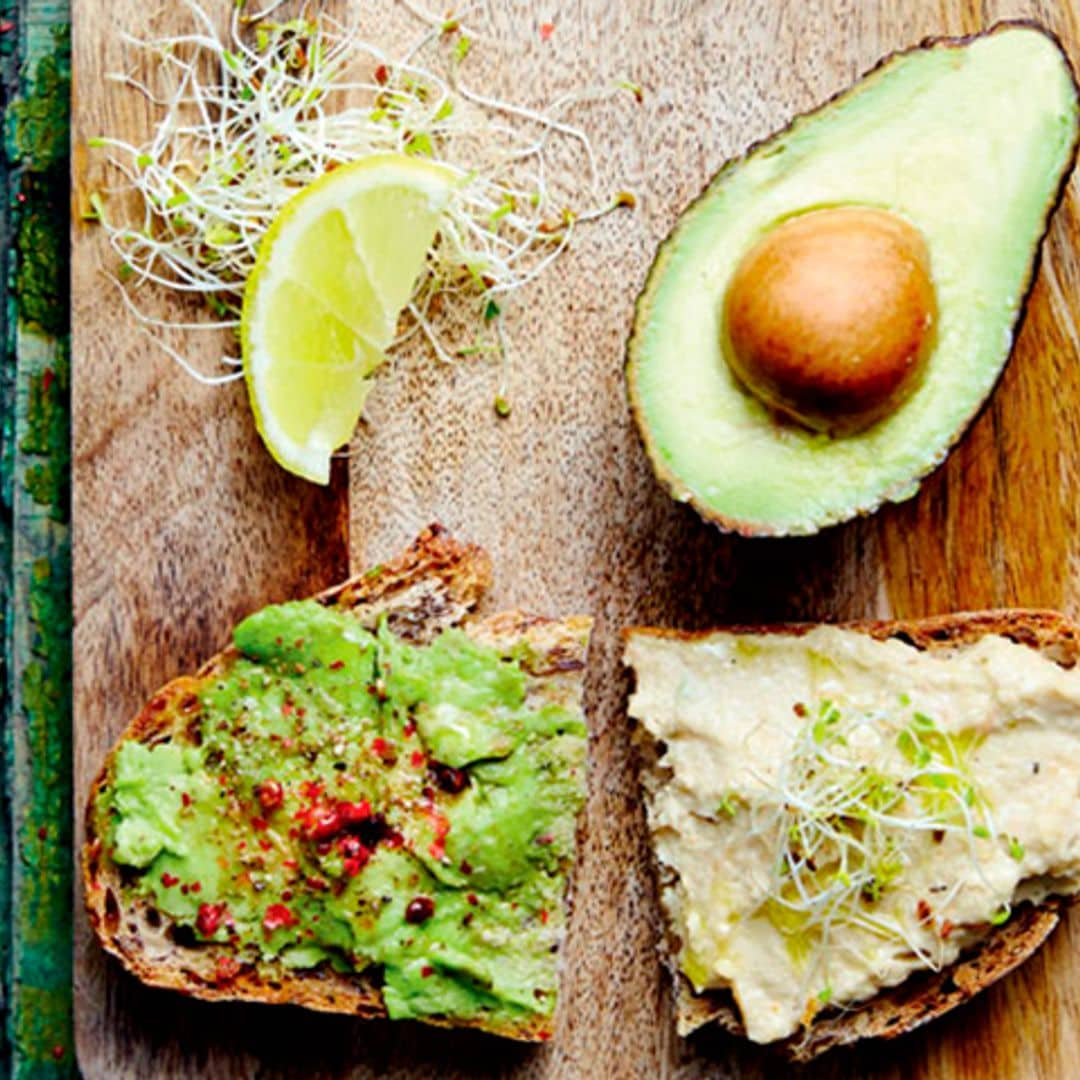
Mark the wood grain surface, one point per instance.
(183, 523)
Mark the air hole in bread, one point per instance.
(152, 917)
(183, 936)
(905, 637)
(112, 911)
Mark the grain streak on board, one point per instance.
(182, 524)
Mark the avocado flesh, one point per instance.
(969, 141)
(318, 800)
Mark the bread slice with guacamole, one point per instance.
(367, 804)
(856, 827)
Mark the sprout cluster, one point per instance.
(245, 119)
(852, 800)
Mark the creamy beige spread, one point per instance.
(1001, 779)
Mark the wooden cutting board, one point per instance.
(183, 524)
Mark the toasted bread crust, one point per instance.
(925, 996)
(434, 584)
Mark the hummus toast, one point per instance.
(857, 827)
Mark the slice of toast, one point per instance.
(923, 996)
(432, 586)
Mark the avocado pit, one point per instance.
(830, 317)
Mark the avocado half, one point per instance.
(971, 140)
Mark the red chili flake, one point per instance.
(379, 746)
(279, 641)
(241, 846)
(337, 665)
(286, 895)
(473, 899)
(322, 822)
(184, 889)
(465, 866)
(58, 1050)
(196, 886)
(546, 30)
(226, 970)
(20, 197)
(290, 864)
(270, 794)
(47, 379)
(419, 910)
(316, 883)
(311, 789)
(382, 74)
(42, 833)
(278, 917)
(264, 843)
(437, 850)
(298, 643)
(392, 839)
(946, 928)
(800, 710)
(260, 824)
(354, 865)
(451, 780)
(427, 971)
(350, 846)
(185, 799)
(222, 779)
(6, 26)
(354, 812)
(169, 880)
(286, 708)
(286, 744)
(923, 911)
(210, 918)
(409, 730)
(417, 759)
(543, 916)
(544, 839)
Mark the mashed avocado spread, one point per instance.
(350, 799)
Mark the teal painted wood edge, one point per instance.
(35, 545)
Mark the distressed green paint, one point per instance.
(37, 733)
(47, 436)
(42, 999)
(39, 134)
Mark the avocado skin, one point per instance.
(667, 478)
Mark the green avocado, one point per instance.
(969, 141)
(353, 800)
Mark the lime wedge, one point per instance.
(334, 271)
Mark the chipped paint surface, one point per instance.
(35, 545)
